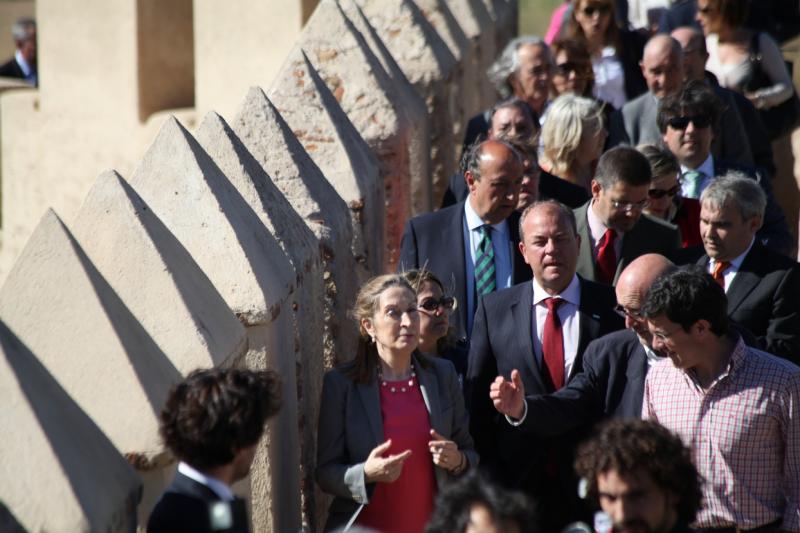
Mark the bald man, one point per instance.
(662, 67)
(614, 368)
(733, 142)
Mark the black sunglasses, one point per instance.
(432, 304)
(569, 66)
(699, 121)
(661, 193)
(602, 9)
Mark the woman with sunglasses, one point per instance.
(434, 320)
(615, 53)
(664, 198)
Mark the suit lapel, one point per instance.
(519, 268)
(589, 327)
(371, 401)
(585, 260)
(522, 312)
(745, 280)
(429, 386)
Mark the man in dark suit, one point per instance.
(687, 121)
(212, 422)
(762, 286)
(611, 225)
(23, 64)
(542, 329)
(476, 236)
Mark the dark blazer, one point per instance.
(681, 13)
(764, 297)
(649, 235)
(630, 53)
(185, 508)
(11, 69)
(436, 241)
(350, 426)
(502, 340)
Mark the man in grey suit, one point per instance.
(611, 225)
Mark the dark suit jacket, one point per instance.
(184, 507)
(11, 69)
(774, 232)
(436, 241)
(502, 340)
(649, 235)
(350, 426)
(764, 297)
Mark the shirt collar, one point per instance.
(218, 487)
(652, 356)
(474, 221)
(26, 68)
(571, 294)
(737, 262)
(706, 167)
(596, 226)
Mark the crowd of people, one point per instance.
(599, 328)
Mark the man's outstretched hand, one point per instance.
(508, 396)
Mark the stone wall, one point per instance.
(235, 228)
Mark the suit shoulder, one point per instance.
(656, 224)
(445, 213)
(635, 105)
(598, 289)
(504, 296)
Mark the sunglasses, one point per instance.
(432, 304)
(565, 68)
(661, 193)
(601, 9)
(681, 123)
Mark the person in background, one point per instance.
(615, 52)
(664, 195)
(642, 476)
(572, 72)
(573, 140)
(212, 422)
(23, 64)
(435, 338)
(392, 423)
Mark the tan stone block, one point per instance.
(479, 29)
(430, 67)
(180, 308)
(59, 471)
(410, 102)
(62, 308)
(505, 14)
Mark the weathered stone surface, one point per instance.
(365, 92)
(430, 67)
(61, 307)
(410, 101)
(59, 472)
(504, 13)
(180, 308)
(300, 246)
(479, 29)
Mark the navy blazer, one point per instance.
(502, 340)
(436, 241)
(764, 297)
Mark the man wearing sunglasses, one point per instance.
(687, 121)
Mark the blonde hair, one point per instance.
(567, 117)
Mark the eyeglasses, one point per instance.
(623, 312)
(629, 206)
(601, 9)
(655, 194)
(565, 68)
(432, 304)
(681, 123)
(665, 335)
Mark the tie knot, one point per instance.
(553, 303)
(719, 267)
(608, 237)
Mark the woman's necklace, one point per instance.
(394, 387)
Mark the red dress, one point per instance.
(405, 505)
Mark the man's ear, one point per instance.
(596, 188)
(471, 180)
(755, 223)
(641, 66)
(702, 326)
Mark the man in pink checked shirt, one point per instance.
(735, 406)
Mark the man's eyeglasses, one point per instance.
(629, 206)
(681, 123)
(623, 312)
(601, 9)
(432, 304)
(656, 194)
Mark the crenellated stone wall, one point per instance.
(235, 229)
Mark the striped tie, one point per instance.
(484, 263)
(694, 180)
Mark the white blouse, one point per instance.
(609, 78)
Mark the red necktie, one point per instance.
(607, 258)
(553, 343)
(719, 268)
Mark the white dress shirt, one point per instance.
(729, 273)
(609, 78)
(707, 168)
(596, 231)
(567, 313)
(218, 487)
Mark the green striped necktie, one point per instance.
(484, 263)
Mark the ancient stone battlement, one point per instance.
(265, 158)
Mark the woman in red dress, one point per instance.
(392, 426)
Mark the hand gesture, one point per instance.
(445, 452)
(384, 469)
(508, 396)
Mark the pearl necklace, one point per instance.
(393, 388)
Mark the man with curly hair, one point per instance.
(212, 422)
(642, 476)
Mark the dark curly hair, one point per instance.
(628, 446)
(212, 414)
(686, 295)
(453, 505)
